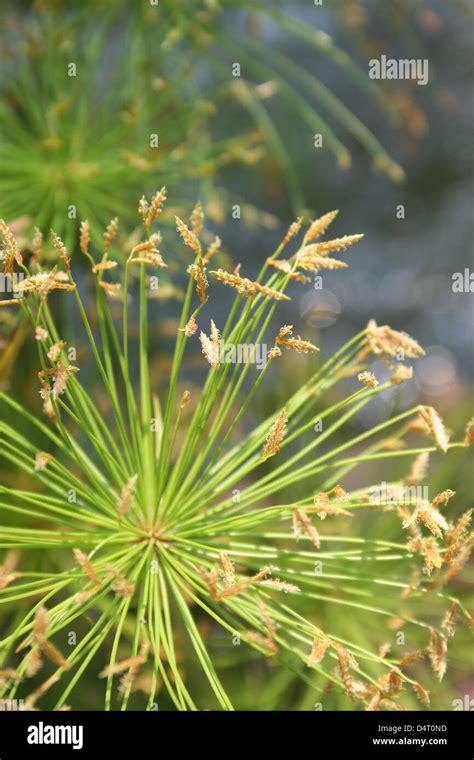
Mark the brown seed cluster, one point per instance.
(126, 495)
(189, 237)
(211, 346)
(233, 585)
(198, 273)
(433, 426)
(387, 344)
(285, 338)
(44, 282)
(319, 226)
(247, 287)
(368, 378)
(275, 436)
(11, 250)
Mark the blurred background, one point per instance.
(221, 101)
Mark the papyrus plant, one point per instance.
(178, 511)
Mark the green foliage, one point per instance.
(178, 506)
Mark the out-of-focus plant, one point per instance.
(97, 99)
(161, 522)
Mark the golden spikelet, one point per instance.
(155, 207)
(430, 517)
(40, 622)
(42, 459)
(374, 703)
(266, 642)
(84, 562)
(421, 693)
(198, 273)
(84, 237)
(418, 470)
(278, 585)
(104, 266)
(412, 657)
(61, 249)
(308, 526)
(147, 247)
(36, 245)
(43, 283)
(211, 346)
(323, 507)
(243, 583)
(121, 585)
(299, 345)
(61, 375)
(319, 226)
(7, 568)
(443, 497)
(40, 627)
(11, 249)
(438, 653)
(34, 662)
(287, 268)
(292, 231)
(456, 536)
(274, 352)
(329, 509)
(212, 250)
(456, 561)
(110, 233)
(189, 238)
(384, 649)
(401, 373)
(368, 378)
(318, 649)
(469, 620)
(296, 524)
(227, 568)
(275, 436)
(197, 219)
(343, 659)
(126, 494)
(211, 579)
(429, 550)
(54, 351)
(312, 262)
(281, 264)
(341, 494)
(147, 252)
(387, 343)
(130, 662)
(450, 619)
(247, 287)
(191, 327)
(237, 586)
(186, 395)
(112, 289)
(391, 683)
(321, 499)
(469, 435)
(143, 207)
(435, 426)
(338, 244)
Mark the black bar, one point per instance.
(154, 734)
